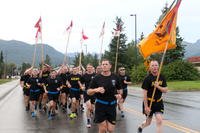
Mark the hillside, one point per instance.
(18, 52)
(192, 49)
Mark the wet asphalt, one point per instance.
(14, 118)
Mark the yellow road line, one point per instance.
(166, 122)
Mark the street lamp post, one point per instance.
(85, 48)
(135, 15)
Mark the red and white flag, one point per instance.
(38, 25)
(102, 30)
(69, 27)
(84, 37)
(117, 31)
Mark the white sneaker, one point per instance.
(88, 125)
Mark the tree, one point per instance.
(1, 64)
(133, 56)
(89, 58)
(24, 66)
(177, 53)
(77, 59)
(111, 53)
(11, 67)
(93, 59)
(1, 57)
(48, 60)
(173, 54)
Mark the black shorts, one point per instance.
(53, 97)
(26, 92)
(81, 92)
(88, 97)
(75, 94)
(125, 93)
(105, 112)
(41, 90)
(34, 96)
(65, 90)
(157, 107)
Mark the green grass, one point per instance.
(4, 80)
(184, 85)
(181, 85)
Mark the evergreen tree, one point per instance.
(1, 64)
(122, 49)
(89, 58)
(77, 59)
(173, 54)
(48, 60)
(133, 56)
(1, 57)
(178, 52)
(24, 67)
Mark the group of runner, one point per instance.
(67, 89)
(100, 89)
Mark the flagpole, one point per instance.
(80, 54)
(161, 64)
(65, 57)
(159, 71)
(101, 50)
(34, 54)
(42, 48)
(116, 57)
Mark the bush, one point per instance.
(138, 74)
(177, 70)
(180, 70)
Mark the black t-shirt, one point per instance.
(63, 77)
(53, 84)
(148, 84)
(110, 83)
(122, 78)
(87, 79)
(34, 83)
(73, 80)
(25, 78)
(45, 75)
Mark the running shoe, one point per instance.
(122, 114)
(71, 115)
(50, 117)
(27, 108)
(139, 130)
(74, 115)
(33, 114)
(88, 125)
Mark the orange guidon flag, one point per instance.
(164, 33)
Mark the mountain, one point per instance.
(192, 49)
(18, 52)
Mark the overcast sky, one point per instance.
(18, 18)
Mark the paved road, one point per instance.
(14, 118)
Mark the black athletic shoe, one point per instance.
(122, 114)
(139, 130)
(69, 106)
(40, 106)
(44, 109)
(27, 108)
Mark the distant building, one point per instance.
(195, 60)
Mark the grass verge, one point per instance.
(4, 80)
(181, 85)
